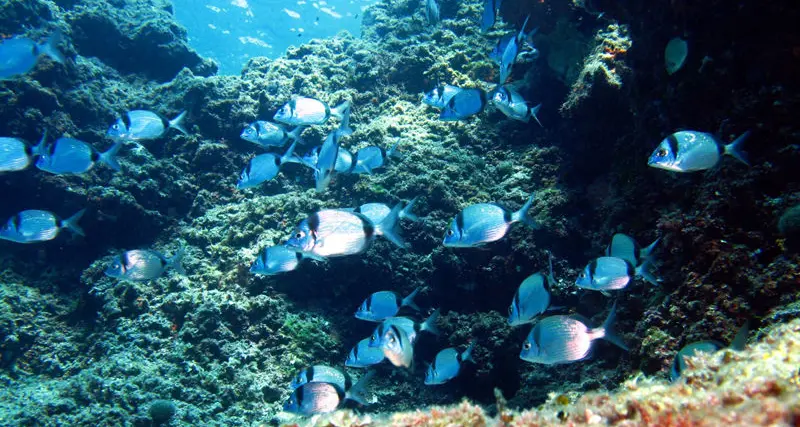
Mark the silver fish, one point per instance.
(532, 298)
(623, 246)
(302, 111)
(464, 104)
(384, 304)
(321, 374)
(439, 96)
(72, 156)
(276, 260)
(563, 339)
(368, 159)
(612, 273)
(265, 167)
(690, 151)
(142, 125)
(19, 55)
(267, 134)
(320, 398)
(432, 11)
(141, 265)
(377, 212)
(326, 162)
(510, 53)
(511, 103)
(33, 226)
(695, 348)
(396, 336)
(362, 355)
(483, 223)
(447, 365)
(16, 155)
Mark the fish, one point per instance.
(31, 226)
(321, 397)
(432, 11)
(321, 374)
(377, 212)
(72, 156)
(19, 55)
(439, 96)
(141, 265)
(362, 355)
(711, 346)
(564, 339)
(384, 304)
(335, 233)
(489, 16)
(265, 167)
(623, 246)
(267, 134)
(143, 125)
(447, 365)
(396, 336)
(465, 103)
(16, 155)
(612, 273)
(373, 157)
(276, 260)
(344, 159)
(484, 223)
(326, 161)
(691, 151)
(496, 54)
(532, 298)
(511, 103)
(302, 111)
(511, 51)
(675, 55)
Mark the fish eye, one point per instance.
(662, 152)
(450, 232)
(391, 340)
(298, 235)
(526, 346)
(582, 275)
(115, 127)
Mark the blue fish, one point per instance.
(326, 161)
(489, 16)
(447, 365)
(264, 167)
(321, 374)
(384, 304)
(16, 155)
(496, 54)
(362, 355)
(142, 125)
(370, 158)
(510, 53)
(33, 226)
(377, 212)
(432, 11)
(439, 96)
(691, 151)
(623, 246)
(612, 273)
(563, 339)
(267, 134)
(141, 265)
(465, 103)
(532, 298)
(484, 223)
(19, 55)
(321, 397)
(396, 336)
(513, 105)
(72, 156)
(344, 159)
(695, 348)
(276, 260)
(302, 111)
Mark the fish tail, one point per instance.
(41, 147)
(110, 156)
(608, 329)
(177, 123)
(522, 214)
(393, 153)
(289, 156)
(409, 300)
(358, 390)
(644, 272)
(175, 262)
(342, 112)
(71, 223)
(467, 354)
(50, 47)
(388, 227)
(406, 212)
(735, 148)
(551, 277)
(647, 253)
(295, 134)
(535, 110)
(740, 340)
(430, 324)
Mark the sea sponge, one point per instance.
(162, 410)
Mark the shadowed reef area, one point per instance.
(218, 346)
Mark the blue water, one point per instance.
(232, 31)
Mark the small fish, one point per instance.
(384, 304)
(396, 336)
(71, 156)
(695, 348)
(612, 273)
(140, 265)
(563, 339)
(690, 151)
(377, 212)
(344, 159)
(496, 54)
(362, 355)
(439, 96)
(19, 55)
(265, 167)
(321, 374)
(432, 11)
(142, 125)
(675, 55)
(276, 260)
(320, 398)
(326, 161)
(532, 298)
(483, 223)
(510, 53)
(490, 8)
(334, 232)
(38, 226)
(16, 155)
(447, 365)
(623, 246)
(267, 134)
(511, 103)
(465, 103)
(371, 158)
(302, 111)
